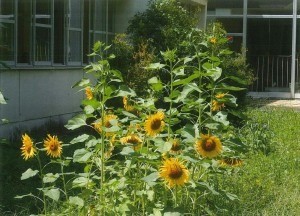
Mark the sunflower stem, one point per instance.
(175, 203)
(171, 101)
(43, 185)
(200, 94)
(63, 178)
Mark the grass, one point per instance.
(267, 184)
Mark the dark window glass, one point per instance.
(75, 46)
(43, 11)
(100, 15)
(43, 46)
(59, 32)
(75, 13)
(7, 26)
(24, 31)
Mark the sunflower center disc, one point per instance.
(156, 124)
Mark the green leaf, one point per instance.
(125, 91)
(163, 146)
(81, 155)
(117, 74)
(75, 200)
(187, 59)
(29, 173)
(52, 193)
(2, 100)
(50, 177)
(207, 186)
(231, 88)
(155, 66)
(150, 179)
(127, 151)
(89, 109)
(221, 117)
(215, 73)
(186, 80)
(76, 122)
(172, 214)
(80, 139)
(81, 182)
(22, 196)
(128, 114)
(83, 82)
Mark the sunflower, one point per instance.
(132, 139)
(128, 107)
(217, 106)
(53, 146)
(154, 123)
(233, 162)
(107, 123)
(208, 146)
(213, 40)
(88, 93)
(176, 148)
(174, 172)
(28, 150)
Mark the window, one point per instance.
(53, 32)
(7, 30)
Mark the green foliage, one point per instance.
(267, 184)
(123, 154)
(164, 24)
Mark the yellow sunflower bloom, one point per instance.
(89, 93)
(216, 106)
(213, 40)
(208, 146)
(154, 124)
(220, 95)
(176, 148)
(134, 140)
(53, 146)
(174, 172)
(107, 118)
(28, 150)
(231, 162)
(128, 107)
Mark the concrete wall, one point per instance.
(37, 96)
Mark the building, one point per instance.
(270, 32)
(45, 43)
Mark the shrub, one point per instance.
(164, 24)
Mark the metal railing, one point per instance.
(273, 73)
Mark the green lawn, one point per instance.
(268, 184)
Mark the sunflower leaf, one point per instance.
(150, 179)
(29, 173)
(76, 201)
(50, 177)
(52, 193)
(76, 122)
(81, 155)
(127, 151)
(79, 139)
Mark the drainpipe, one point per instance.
(293, 65)
(244, 43)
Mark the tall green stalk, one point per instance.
(43, 185)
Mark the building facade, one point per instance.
(269, 31)
(45, 43)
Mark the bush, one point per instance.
(164, 24)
